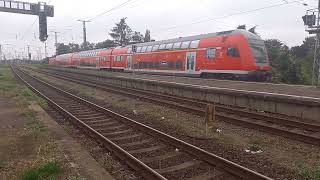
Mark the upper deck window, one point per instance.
(162, 46)
(149, 48)
(129, 51)
(185, 45)
(177, 45)
(155, 48)
(169, 46)
(194, 44)
(143, 49)
(138, 49)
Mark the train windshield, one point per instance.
(259, 51)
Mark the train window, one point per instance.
(155, 48)
(145, 65)
(157, 64)
(171, 64)
(185, 45)
(138, 49)
(129, 51)
(233, 52)
(179, 64)
(149, 48)
(120, 58)
(164, 63)
(177, 45)
(169, 46)
(194, 44)
(211, 53)
(150, 64)
(143, 49)
(162, 46)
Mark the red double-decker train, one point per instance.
(236, 54)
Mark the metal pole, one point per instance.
(318, 39)
(316, 61)
(29, 57)
(45, 50)
(0, 52)
(56, 41)
(84, 32)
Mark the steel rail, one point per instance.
(205, 156)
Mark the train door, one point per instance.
(98, 62)
(129, 62)
(191, 61)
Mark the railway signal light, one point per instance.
(43, 27)
(309, 20)
(39, 9)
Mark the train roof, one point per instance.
(247, 34)
(94, 52)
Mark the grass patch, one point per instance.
(2, 164)
(33, 97)
(10, 88)
(255, 145)
(49, 170)
(311, 174)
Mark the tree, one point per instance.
(121, 33)
(74, 47)
(63, 49)
(137, 37)
(303, 50)
(87, 46)
(105, 44)
(147, 36)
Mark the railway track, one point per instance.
(308, 132)
(153, 154)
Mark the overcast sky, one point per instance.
(165, 18)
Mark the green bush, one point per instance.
(47, 171)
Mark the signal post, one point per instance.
(312, 23)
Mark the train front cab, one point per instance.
(260, 66)
(239, 55)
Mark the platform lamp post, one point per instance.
(312, 24)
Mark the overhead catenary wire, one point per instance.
(229, 15)
(110, 10)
